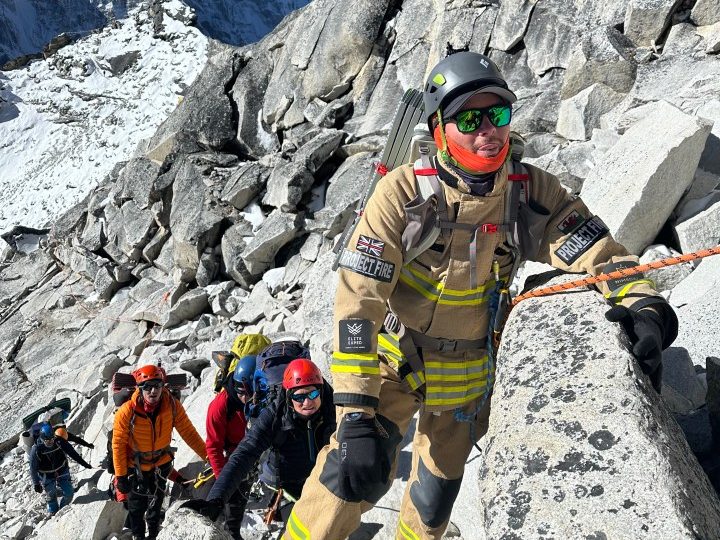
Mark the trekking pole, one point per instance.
(624, 272)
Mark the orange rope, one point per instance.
(624, 272)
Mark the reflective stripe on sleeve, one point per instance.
(355, 363)
(619, 293)
(405, 532)
(296, 529)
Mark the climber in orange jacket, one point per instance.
(142, 432)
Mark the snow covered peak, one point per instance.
(65, 122)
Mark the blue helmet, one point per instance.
(46, 431)
(245, 371)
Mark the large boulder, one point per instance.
(646, 20)
(697, 302)
(205, 112)
(277, 230)
(194, 222)
(578, 439)
(637, 183)
(604, 56)
(580, 114)
(89, 519)
(701, 231)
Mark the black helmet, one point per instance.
(461, 75)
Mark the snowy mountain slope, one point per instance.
(238, 22)
(67, 121)
(28, 25)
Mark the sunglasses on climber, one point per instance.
(470, 120)
(301, 397)
(151, 385)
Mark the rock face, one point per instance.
(646, 173)
(579, 445)
(223, 222)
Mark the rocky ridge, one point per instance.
(223, 222)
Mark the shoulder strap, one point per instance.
(428, 185)
(519, 192)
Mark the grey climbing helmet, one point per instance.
(456, 78)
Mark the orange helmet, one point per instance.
(301, 372)
(61, 432)
(148, 373)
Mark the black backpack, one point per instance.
(271, 363)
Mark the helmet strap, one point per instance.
(444, 153)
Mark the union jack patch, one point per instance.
(371, 246)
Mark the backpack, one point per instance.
(55, 414)
(226, 361)
(271, 363)
(122, 387)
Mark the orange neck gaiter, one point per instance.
(468, 160)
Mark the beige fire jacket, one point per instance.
(433, 295)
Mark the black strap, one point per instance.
(442, 344)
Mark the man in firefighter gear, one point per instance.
(483, 213)
(142, 432)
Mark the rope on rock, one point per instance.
(624, 272)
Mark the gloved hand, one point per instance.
(363, 464)
(123, 484)
(38, 488)
(210, 509)
(645, 330)
(89, 445)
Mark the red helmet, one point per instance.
(148, 373)
(301, 372)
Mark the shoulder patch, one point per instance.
(570, 222)
(365, 265)
(371, 246)
(581, 240)
(355, 335)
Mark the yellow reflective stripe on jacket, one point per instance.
(405, 532)
(436, 291)
(452, 398)
(296, 529)
(443, 378)
(389, 346)
(619, 293)
(356, 363)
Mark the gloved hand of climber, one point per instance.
(123, 484)
(210, 509)
(645, 330)
(38, 488)
(363, 464)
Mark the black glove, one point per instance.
(210, 509)
(123, 484)
(645, 330)
(89, 445)
(38, 488)
(363, 464)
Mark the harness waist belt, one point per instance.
(442, 345)
(53, 470)
(153, 456)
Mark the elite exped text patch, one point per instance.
(355, 335)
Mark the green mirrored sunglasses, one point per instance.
(470, 120)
